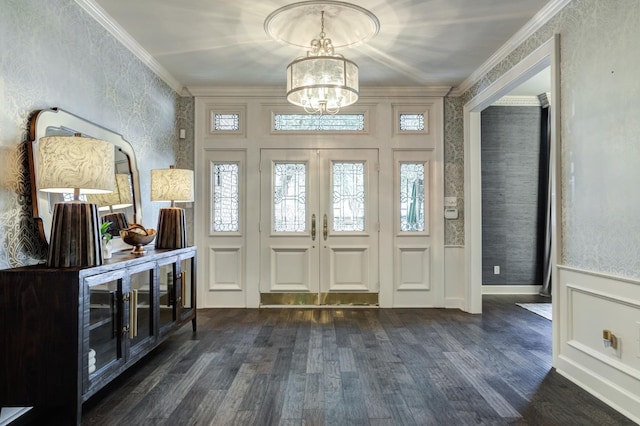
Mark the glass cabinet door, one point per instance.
(140, 307)
(167, 294)
(104, 325)
(187, 270)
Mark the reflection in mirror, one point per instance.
(126, 209)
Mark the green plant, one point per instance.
(104, 231)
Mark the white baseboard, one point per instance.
(619, 399)
(511, 289)
(454, 303)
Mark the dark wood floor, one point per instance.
(352, 367)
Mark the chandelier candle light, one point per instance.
(323, 81)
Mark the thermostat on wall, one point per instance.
(450, 213)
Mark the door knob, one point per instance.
(324, 227)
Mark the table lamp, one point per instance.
(175, 185)
(120, 198)
(78, 165)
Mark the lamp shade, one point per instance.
(68, 163)
(121, 197)
(172, 185)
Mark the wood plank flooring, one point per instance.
(352, 367)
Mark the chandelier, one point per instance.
(323, 81)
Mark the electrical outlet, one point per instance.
(496, 270)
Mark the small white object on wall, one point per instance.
(450, 213)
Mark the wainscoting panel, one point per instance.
(590, 303)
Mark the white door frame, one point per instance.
(545, 55)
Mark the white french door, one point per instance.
(319, 226)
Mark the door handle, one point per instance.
(313, 227)
(324, 227)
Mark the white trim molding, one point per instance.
(539, 19)
(517, 101)
(280, 91)
(511, 289)
(116, 30)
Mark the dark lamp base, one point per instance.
(172, 228)
(75, 236)
(118, 221)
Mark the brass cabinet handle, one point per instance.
(313, 227)
(184, 288)
(324, 227)
(134, 303)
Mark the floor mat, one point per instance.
(542, 309)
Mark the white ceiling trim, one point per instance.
(540, 18)
(517, 101)
(99, 14)
(365, 92)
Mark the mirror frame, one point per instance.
(69, 123)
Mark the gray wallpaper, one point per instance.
(52, 54)
(454, 167)
(510, 156)
(600, 135)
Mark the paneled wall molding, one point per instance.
(598, 274)
(541, 18)
(272, 91)
(517, 101)
(586, 304)
(116, 30)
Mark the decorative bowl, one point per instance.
(137, 236)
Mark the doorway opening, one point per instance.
(545, 56)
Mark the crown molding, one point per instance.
(538, 20)
(108, 23)
(280, 91)
(517, 101)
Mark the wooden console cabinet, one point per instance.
(66, 333)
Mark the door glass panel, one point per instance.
(289, 197)
(140, 300)
(103, 325)
(167, 295)
(412, 197)
(348, 197)
(224, 203)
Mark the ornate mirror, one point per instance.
(56, 122)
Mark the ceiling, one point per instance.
(224, 43)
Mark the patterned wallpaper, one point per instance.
(600, 41)
(52, 54)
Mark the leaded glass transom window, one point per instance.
(348, 197)
(289, 197)
(226, 122)
(226, 194)
(412, 122)
(313, 122)
(412, 197)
